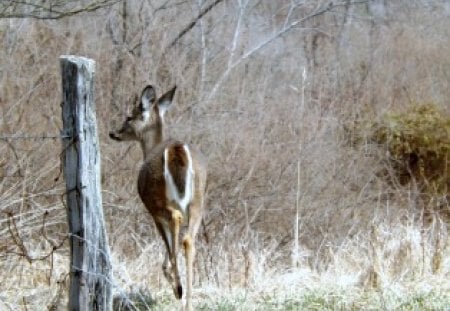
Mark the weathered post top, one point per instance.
(80, 61)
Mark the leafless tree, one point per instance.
(49, 9)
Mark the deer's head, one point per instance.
(147, 115)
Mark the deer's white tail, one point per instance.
(179, 175)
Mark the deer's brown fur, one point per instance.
(171, 182)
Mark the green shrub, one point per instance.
(418, 141)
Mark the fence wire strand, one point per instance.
(31, 137)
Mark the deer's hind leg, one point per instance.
(174, 228)
(195, 217)
(170, 231)
(166, 235)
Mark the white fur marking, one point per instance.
(171, 190)
(145, 103)
(189, 190)
(161, 113)
(146, 115)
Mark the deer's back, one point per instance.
(152, 183)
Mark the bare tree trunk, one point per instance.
(90, 268)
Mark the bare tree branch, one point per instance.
(19, 242)
(287, 27)
(54, 9)
(193, 23)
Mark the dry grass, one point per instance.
(273, 126)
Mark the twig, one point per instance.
(287, 27)
(53, 306)
(203, 56)
(18, 241)
(192, 24)
(51, 11)
(12, 227)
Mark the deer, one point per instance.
(171, 182)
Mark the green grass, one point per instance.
(311, 300)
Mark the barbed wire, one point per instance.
(31, 137)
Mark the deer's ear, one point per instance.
(165, 101)
(147, 98)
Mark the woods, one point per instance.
(285, 99)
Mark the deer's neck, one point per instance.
(151, 138)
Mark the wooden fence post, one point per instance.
(90, 267)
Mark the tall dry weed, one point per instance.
(269, 112)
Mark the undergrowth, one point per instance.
(285, 190)
(350, 299)
(418, 141)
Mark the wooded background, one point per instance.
(275, 93)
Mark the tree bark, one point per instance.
(90, 268)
